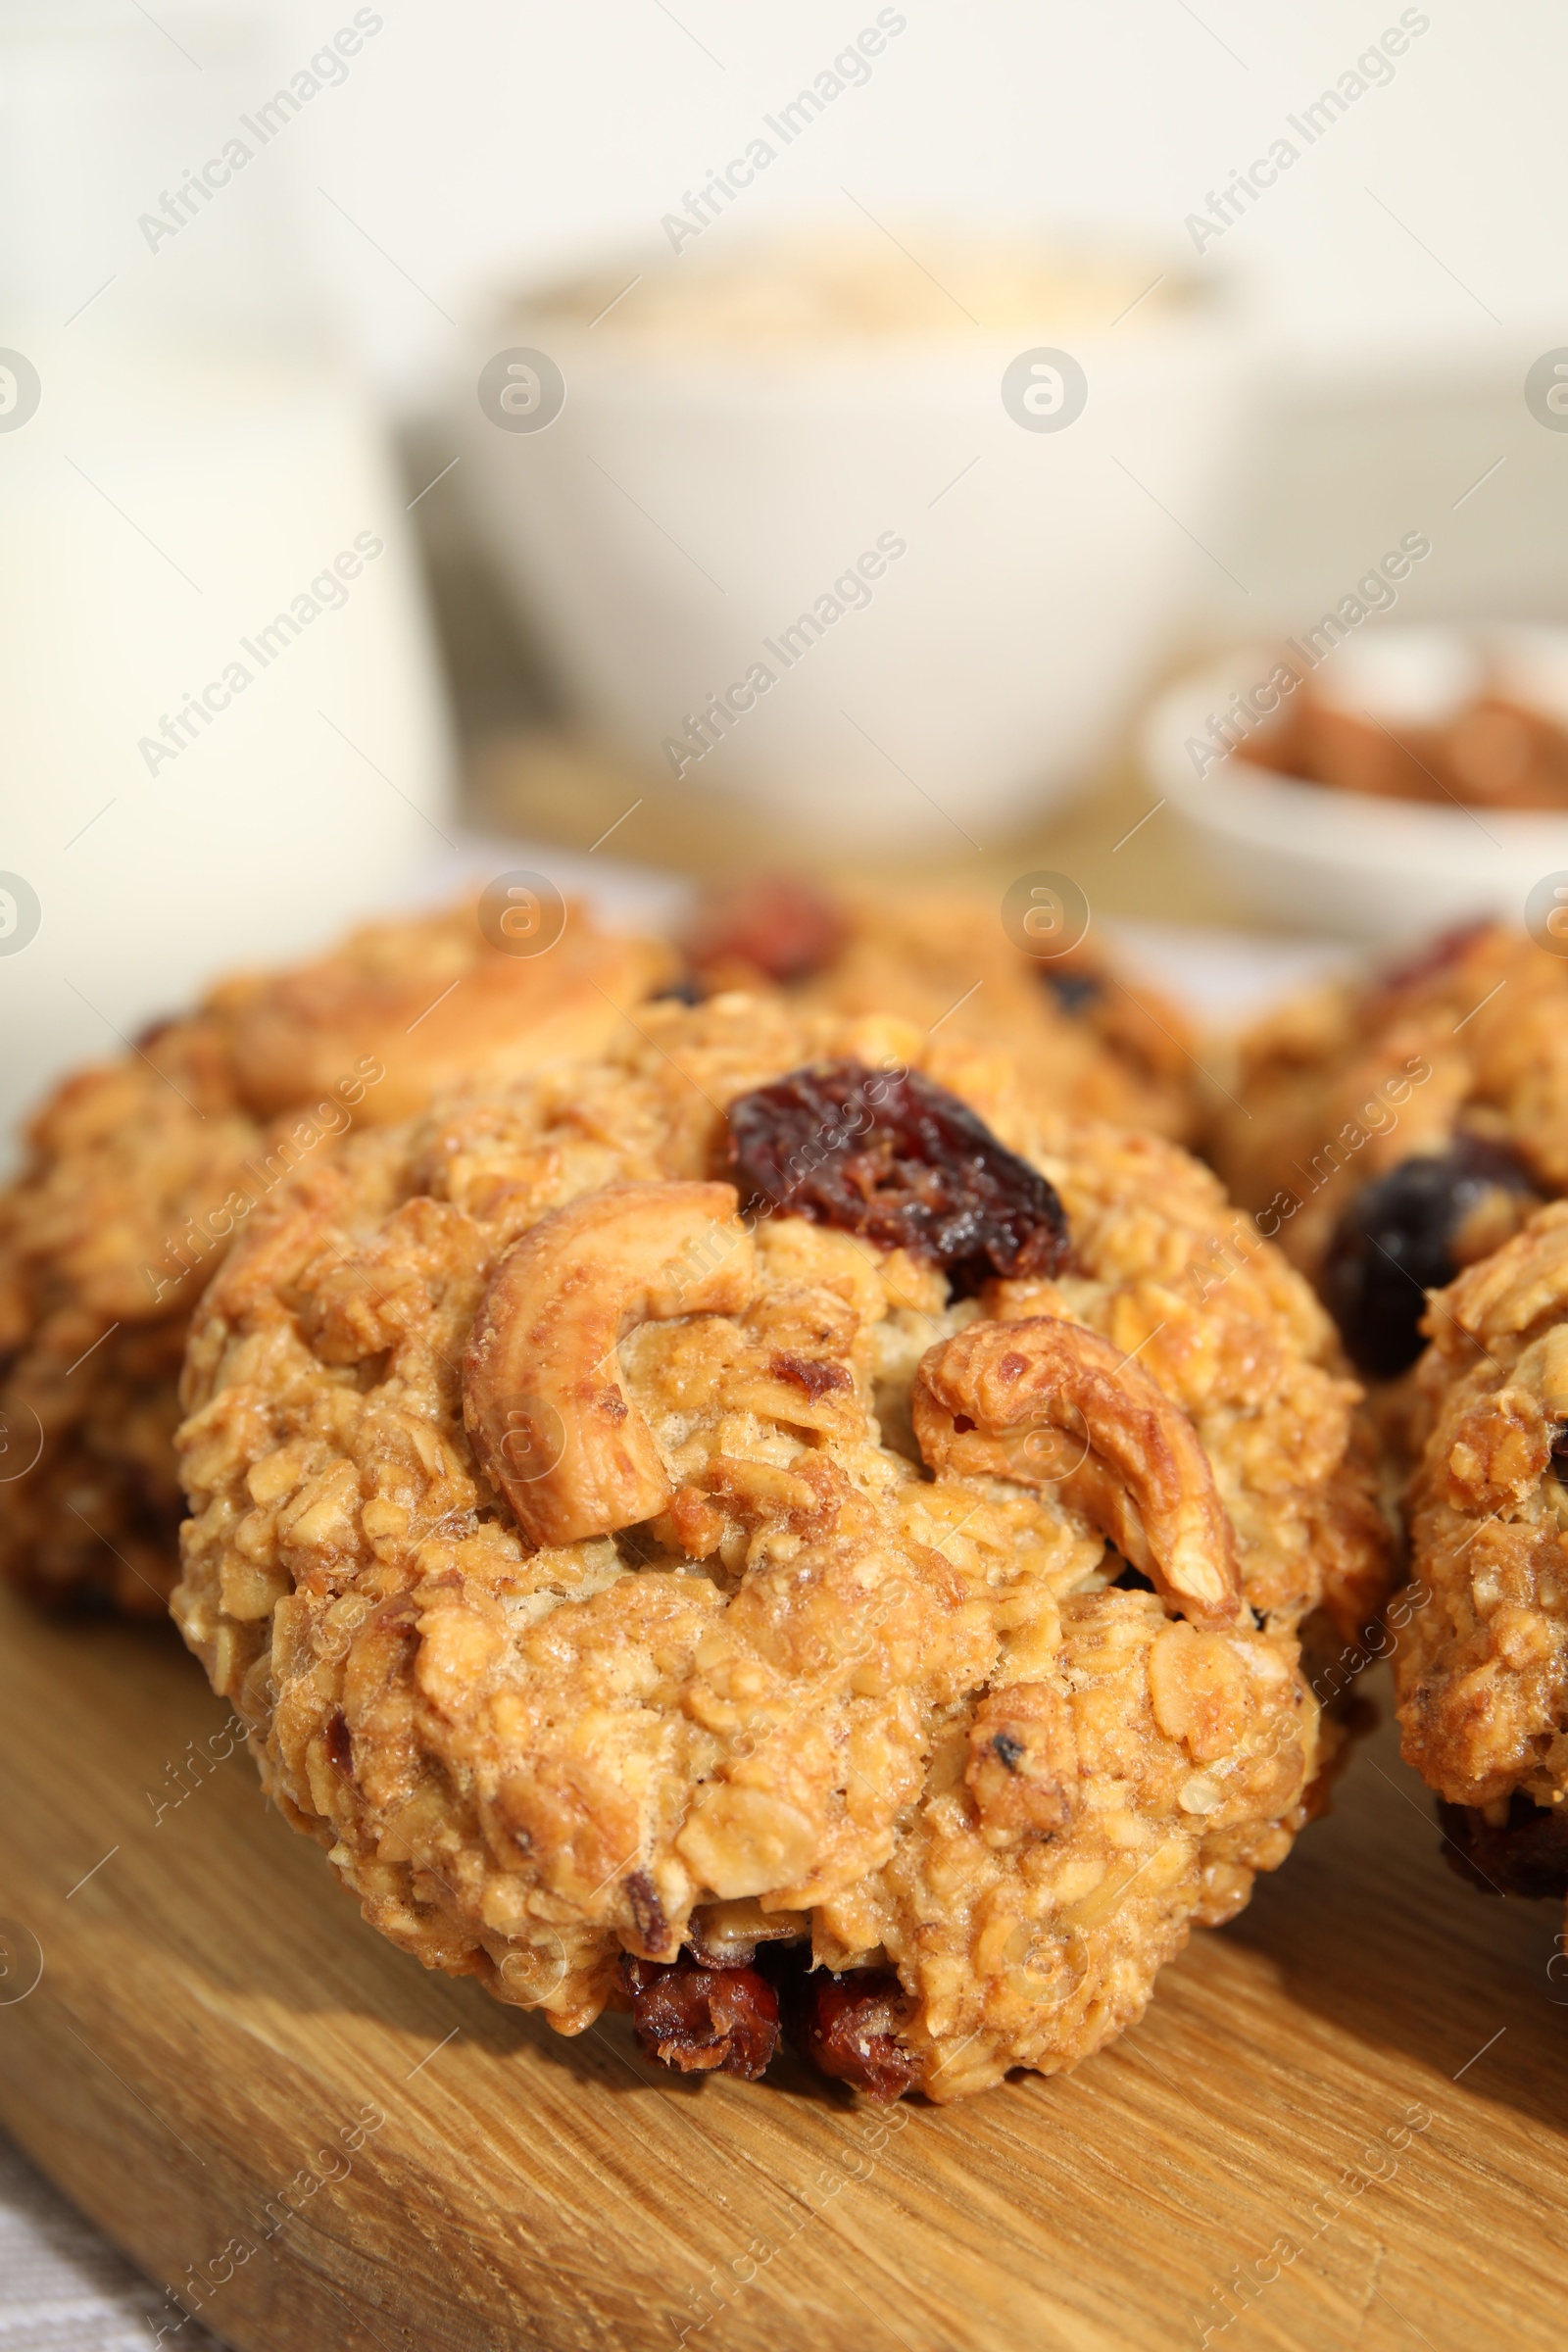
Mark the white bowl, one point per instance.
(685, 508)
(1321, 860)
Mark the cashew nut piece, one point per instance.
(541, 1393)
(494, 1014)
(1141, 1475)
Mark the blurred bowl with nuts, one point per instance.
(1378, 784)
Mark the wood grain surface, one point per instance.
(1343, 2123)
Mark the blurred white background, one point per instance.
(1394, 284)
(1411, 261)
(1402, 273)
(500, 132)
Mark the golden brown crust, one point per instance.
(140, 1171)
(911, 1714)
(1098, 1047)
(434, 1000)
(1481, 1667)
(1338, 1086)
(121, 1157)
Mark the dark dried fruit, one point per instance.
(702, 2020)
(688, 990)
(1525, 1855)
(648, 1912)
(1074, 992)
(847, 2027)
(773, 927)
(339, 1745)
(898, 1159)
(814, 1376)
(1398, 1239)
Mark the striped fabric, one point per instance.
(63, 2287)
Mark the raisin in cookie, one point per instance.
(1392, 1131)
(1079, 1032)
(140, 1171)
(768, 1527)
(1482, 1665)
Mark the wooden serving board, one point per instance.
(1343, 2123)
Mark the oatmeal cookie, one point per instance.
(1482, 1666)
(771, 1525)
(1390, 1132)
(1074, 1027)
(140, 1169)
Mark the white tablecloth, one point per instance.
(63, 2289)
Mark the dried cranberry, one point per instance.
(702, 2020)
(1074, 992)
(847, 2027)
(1525, 1855)
(1394, 1242)
(901, 1160)
(775, 925)
(646, 1910)
(339, 1744)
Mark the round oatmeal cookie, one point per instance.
(139, 1172)
(1077, 1027)
(1391, 1131)
(1482, 1665)
(769, 1528)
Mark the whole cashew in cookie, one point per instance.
(423, 1004)
(1135, 1464)
(541, 1393)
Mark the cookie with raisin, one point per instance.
(1092, 1037)
(1481, 1669)
(1391, 1130)
(774, 1530)
(139, 1172)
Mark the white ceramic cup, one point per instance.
(223, 733)
(684, 510)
